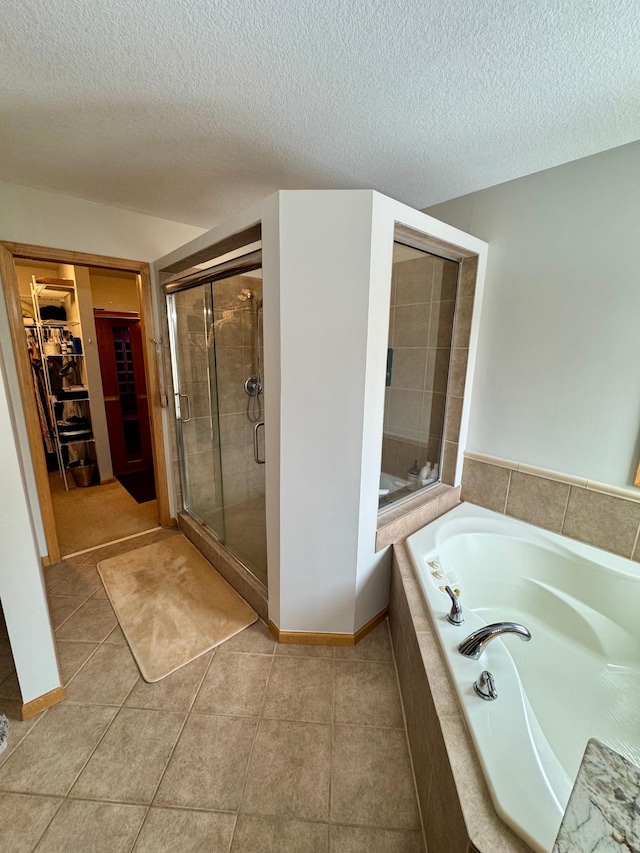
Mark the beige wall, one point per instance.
(116, 291)
(25, 271)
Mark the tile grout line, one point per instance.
(111, 722)
(229, 812)
(82, 602)
(52, 594)
(173, 748)
(506, 497)
(100, 643)
(566, 507)
(113, 719)
(255, 737)
(46, 829)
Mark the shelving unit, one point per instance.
(60, 350)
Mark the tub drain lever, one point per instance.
(485, 686)
(455, 614)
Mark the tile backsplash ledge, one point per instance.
(605, 516)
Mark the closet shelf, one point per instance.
(61, 324)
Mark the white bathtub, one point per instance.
(389, 483)
(578, 677)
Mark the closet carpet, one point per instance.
(94, 515)
(172, 605)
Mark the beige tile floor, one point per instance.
(252, 748)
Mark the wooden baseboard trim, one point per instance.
(30, 709)
(45, 562)
(370, 625)
(311, 638)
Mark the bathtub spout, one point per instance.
(475, 643)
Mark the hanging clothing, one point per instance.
(39, 387)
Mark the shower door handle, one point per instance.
(256, 451)
(185, 420)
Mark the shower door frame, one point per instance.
(172, 319)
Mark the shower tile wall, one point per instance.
(421, 325)
(242, 478)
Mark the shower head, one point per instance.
(245, 295)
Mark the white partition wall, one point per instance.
(22, 593)
(325, 283)
(327, 259)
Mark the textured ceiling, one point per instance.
(192, 109)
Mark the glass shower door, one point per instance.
(196, 404)
(217, 357)
(239, 359)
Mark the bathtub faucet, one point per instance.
(455, 614)
(475, 643)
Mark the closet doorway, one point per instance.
(90, 384)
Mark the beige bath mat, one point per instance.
(172, 604)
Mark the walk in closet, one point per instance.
(83, 333)
(54, 339)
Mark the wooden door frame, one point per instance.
(9, 252)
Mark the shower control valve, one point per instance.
(253, 386)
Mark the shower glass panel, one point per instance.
(239, 359)
(220, 411)
(423, 293)
(196, 400)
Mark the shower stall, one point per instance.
(215, 327)
(325, 271)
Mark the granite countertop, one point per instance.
(603, 813)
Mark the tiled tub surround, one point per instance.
(456, 808)
(603, 516)
(397, 522)
(574, 680)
